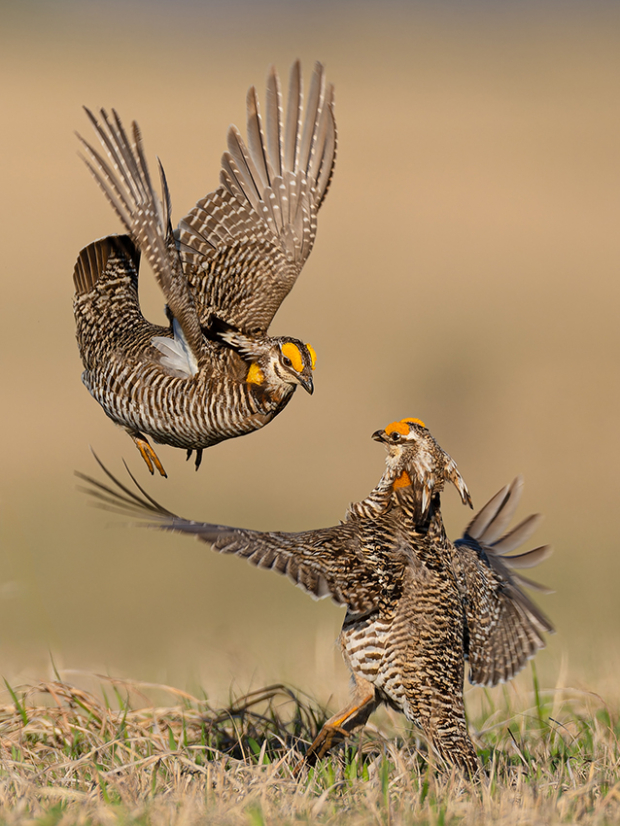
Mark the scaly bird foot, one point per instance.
(327, 737)
(340, 726)
(148, 454)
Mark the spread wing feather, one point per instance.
(106, 303)
(325, 562)
(110, 258)
(244, 245)
(274, 127)
(504, 626)
(124, 178)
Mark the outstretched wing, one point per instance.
(244, 245)
(124, 178)
(106, 305)
(325, 562)
(504, 627)
(107, 259)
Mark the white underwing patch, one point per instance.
(176, 355)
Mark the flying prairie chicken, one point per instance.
(213, 373)
(417, 605)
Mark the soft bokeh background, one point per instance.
(466, 272)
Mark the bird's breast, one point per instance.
(364, 643)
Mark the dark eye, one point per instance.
(286, 360)
(395, 437)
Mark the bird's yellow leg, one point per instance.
(148, 454)
(340, 726)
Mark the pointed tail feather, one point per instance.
(504, 626)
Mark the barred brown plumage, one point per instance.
(213, 373)
(418, 606)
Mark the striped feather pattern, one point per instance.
(238, 253)
(125, 181)
(92, 263)
(124, 370)
(417, 605)
(244, 244)
(504, 626)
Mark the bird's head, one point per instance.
(289, 361)
(417, 463)
(278, 361)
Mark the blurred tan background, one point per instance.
(466, 271)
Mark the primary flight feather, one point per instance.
(213, 373)
(418, 605)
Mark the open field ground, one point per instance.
(466, 271)
(549, 757)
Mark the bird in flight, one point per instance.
(417, 605)
(213, 373)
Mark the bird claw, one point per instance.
(323, 742)
(149, 456)
(198, 456)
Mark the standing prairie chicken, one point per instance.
(214, 373)
(417, 605)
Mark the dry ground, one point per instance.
(69, 757)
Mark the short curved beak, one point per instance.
(307, 384)
(379, 435)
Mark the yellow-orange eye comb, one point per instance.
(291, 351)
(310, 349)
(402, 426)
(415, 421)
(397, 427)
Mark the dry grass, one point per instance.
(69, 757)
